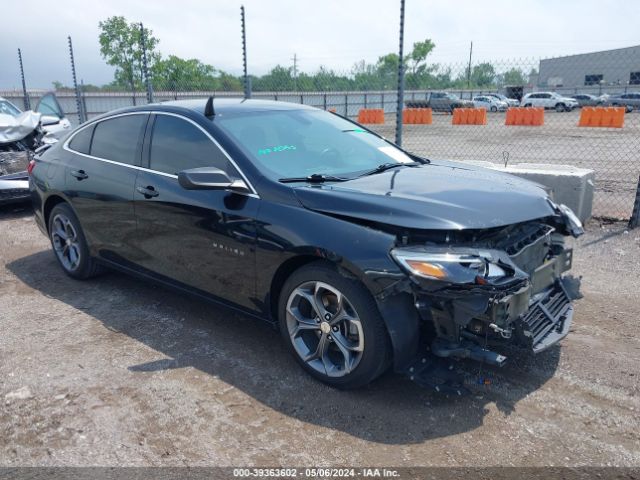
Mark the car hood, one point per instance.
(438, 196)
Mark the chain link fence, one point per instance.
(565, 87)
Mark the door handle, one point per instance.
(79, 174)
(147, 191)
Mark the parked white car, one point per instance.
(549, 100)
(511, 102)
(492, 104)
(54, 121)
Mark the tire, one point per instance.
(560, 107)
(527, 105)
(494, 109)
(70, 245)
(309, 331)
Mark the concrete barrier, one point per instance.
(571, 185)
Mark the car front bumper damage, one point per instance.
(478, 323)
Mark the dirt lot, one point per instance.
(118, 372)
(612, 153)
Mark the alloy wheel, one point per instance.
(65, 241)
(324, 328)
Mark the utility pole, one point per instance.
(295, 71)
(400, 104)
(469, 69)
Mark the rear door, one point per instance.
(204, 239)
(100, 179)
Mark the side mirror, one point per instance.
(209, 178)
(49, 120)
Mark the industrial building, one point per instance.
(610, 67)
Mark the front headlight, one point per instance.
(450, 266)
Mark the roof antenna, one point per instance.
(209, 112)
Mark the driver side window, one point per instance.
(178, 145)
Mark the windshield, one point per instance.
(9, 108)
(299, 143)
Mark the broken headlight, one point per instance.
(479, 267)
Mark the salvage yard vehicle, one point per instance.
(629, 100)
(21, 133)
(549, 100)
(587, 100)
(492, 104)
(440, 102)
(511, 102)
(52, 118)
(362, 254)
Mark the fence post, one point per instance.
(26, 100)
(400, 103)
(324, 101)
(346, 105)
(84, 100)
(145, 70)
(75, 83)
(247, 85)
(634, 221)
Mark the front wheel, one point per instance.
(69, 244)
(332, 326)
(494, 109)
(560, 107)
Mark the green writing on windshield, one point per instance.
(277, 148)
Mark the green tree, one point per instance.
(483, 75)
(417, 59)
(175, 73)
(514, 76)
(121, 47)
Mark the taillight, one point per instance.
(31, 166)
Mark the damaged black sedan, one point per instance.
(363, 255)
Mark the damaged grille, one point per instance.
(547, 321)
(530, 249)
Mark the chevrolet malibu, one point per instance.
(364, 256)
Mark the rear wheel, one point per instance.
(494, 109)
(332, 326)
(69, 244)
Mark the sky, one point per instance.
(334, 33)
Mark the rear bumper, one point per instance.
(14, 188)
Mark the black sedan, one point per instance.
(362, 254)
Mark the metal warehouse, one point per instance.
(610, 67)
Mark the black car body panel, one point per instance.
(238, 248)
(437, 196)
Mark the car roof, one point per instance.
(222, 105)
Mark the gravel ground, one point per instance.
(118, 372)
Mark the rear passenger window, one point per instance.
(117, 138)
(178, 145)
(81, 141)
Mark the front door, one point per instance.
(204, 239)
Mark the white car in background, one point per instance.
(53, 120)
(511, 102)
(492, 104)
(549, 100)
